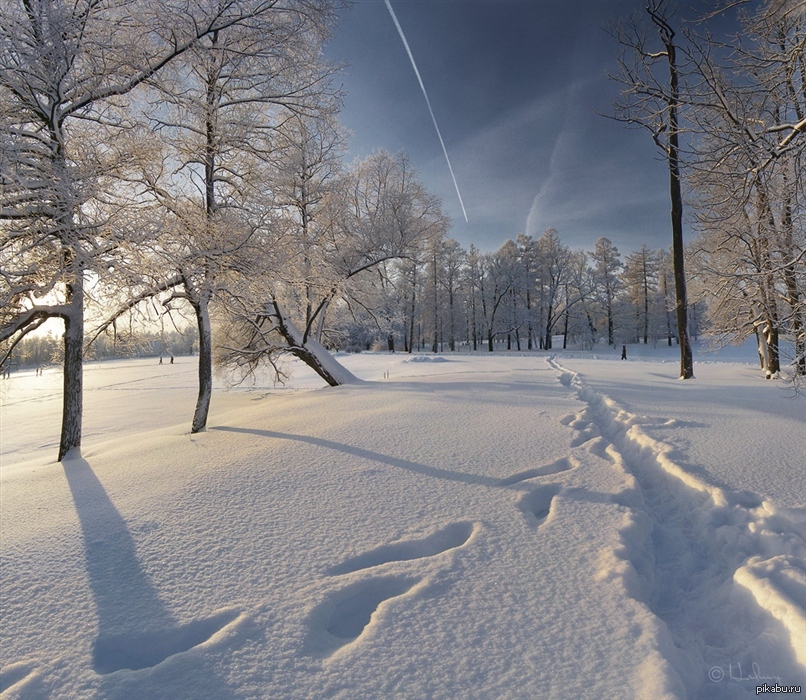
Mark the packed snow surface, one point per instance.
(491, 526)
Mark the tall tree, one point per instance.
(654, 102)
(640, 283)
(749, 178)
(64, 67)
(607, 266)
(554, 260)
(224, 110)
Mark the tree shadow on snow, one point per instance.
(415, 467)
(135, 630)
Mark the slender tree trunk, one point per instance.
(473, 321)
(771, 336)
(565, 329)
(205, 364)
(646, 305)
(452, 339)
(435, 339)
(792, 292)
(763, 354)
(413, 307)
(73, 399)
(675, 191)
(609, 318)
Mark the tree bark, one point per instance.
(73, 399)
(675, 191)
(205, 365)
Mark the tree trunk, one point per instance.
(413, 308)
(681, 302)
(609, 320)
(761, 344)
(73, 398)
(792, 292)
(771, 336)
(310, 351)
(205, 365)
(310, 359)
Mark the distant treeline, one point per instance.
(38, 350)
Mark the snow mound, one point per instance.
(427, 358)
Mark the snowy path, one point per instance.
(701, 539)
(472, 528)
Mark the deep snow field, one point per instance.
(486, 526)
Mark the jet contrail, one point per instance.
(428, 102)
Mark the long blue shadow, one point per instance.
(422, 469)
(135, 630)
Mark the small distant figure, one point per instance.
(172, 359)
(623, 352)
(39, 370)
(160, 359)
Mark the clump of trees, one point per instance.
(187, 158)
(730, 119)
(528, 295)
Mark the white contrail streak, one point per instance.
(428, 102)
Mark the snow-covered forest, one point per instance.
(485, 498)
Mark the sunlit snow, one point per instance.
(486, 526)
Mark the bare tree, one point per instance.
(640, 282)
(223, 114)
(63, 68)
(554, 260)
(607, 266)
(748, 177)
(654, 102)
(379, 212)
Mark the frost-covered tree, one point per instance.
(607, 266)
(749, 181)
(224, 110)
(554, 260)
(65, 69)
(378, 211)
(639, 279)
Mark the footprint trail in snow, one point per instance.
(706, 554)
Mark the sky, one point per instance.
(515, 87)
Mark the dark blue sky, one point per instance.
(515, 87)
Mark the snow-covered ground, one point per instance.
(453, 527)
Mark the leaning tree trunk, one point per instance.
(310, 359)
(309, 350)
(205, 364)
(73, 398)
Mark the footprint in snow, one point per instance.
(557, 466)
(146, 649)
(537, 504)
(18, 676)
(449, 537)
(345, 614)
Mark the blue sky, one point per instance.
(515, 86)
